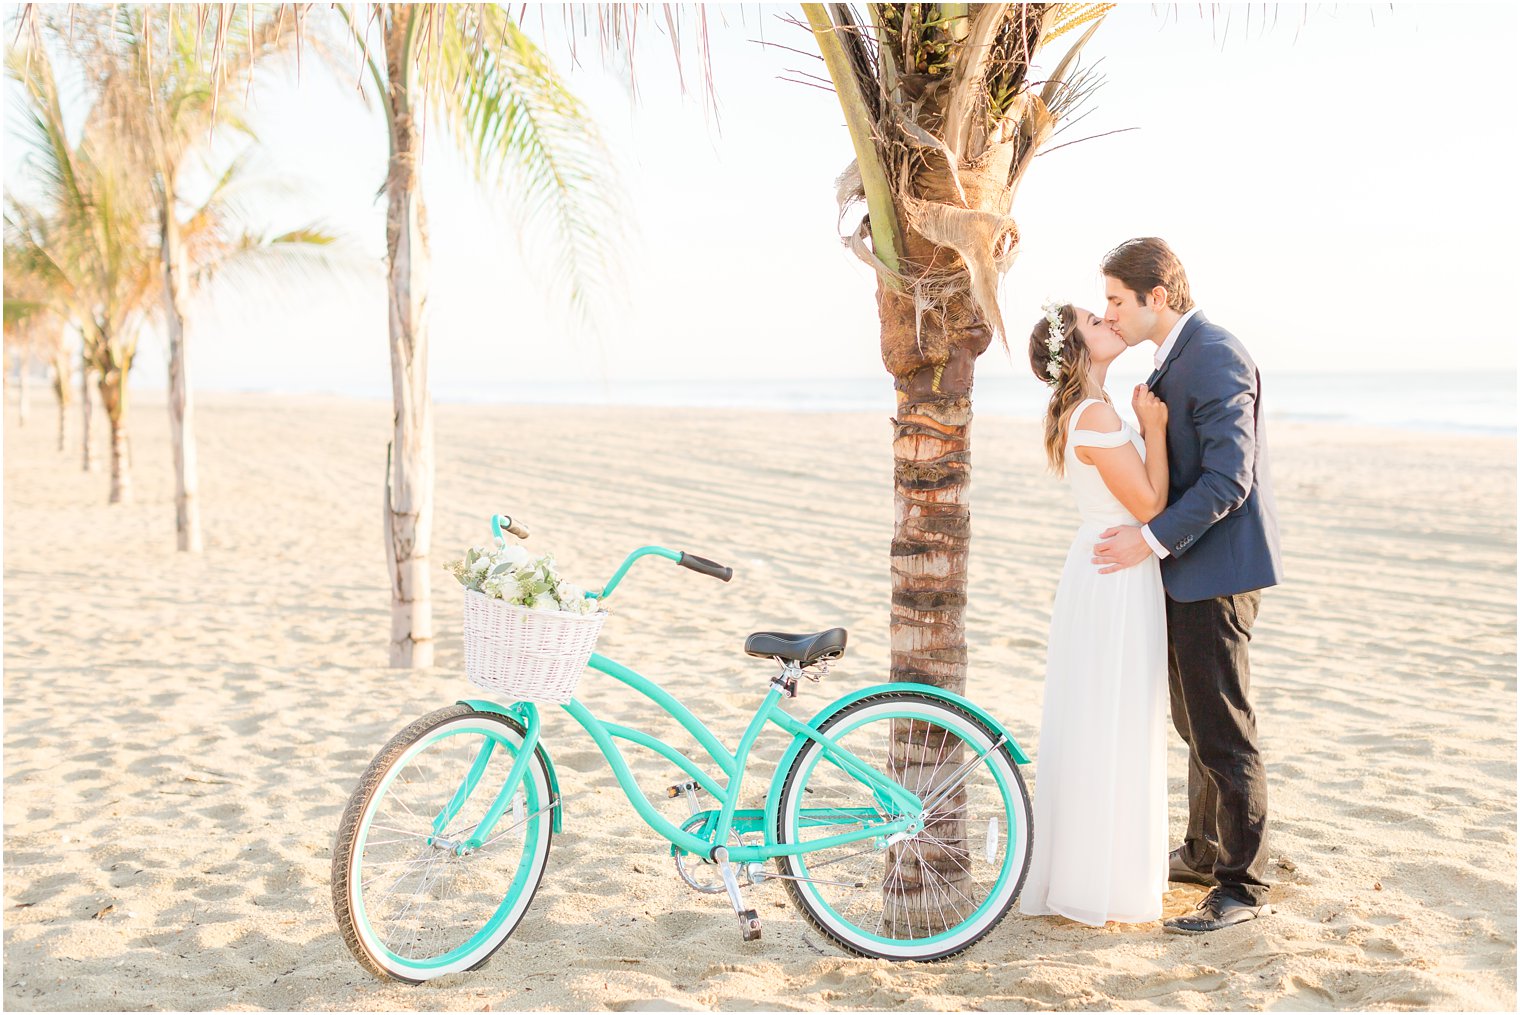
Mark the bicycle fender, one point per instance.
(481, 705)
(773, 798)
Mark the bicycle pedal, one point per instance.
(749, 925)
(687, 790)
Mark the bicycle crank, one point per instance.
(749, 920)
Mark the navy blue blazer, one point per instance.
(1220, 523)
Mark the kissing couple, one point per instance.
(1161, 588)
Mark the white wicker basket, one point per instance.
(526, 655)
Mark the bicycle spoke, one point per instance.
(402, 831)
(939, 762)
(407, 807)
(380, 902)
(840, 859)
(961, 774)
(432, 794)
(397, 863)
(931, 872)
(516, 825)
(422, 886)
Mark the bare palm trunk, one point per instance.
(409, 479)
(63, 426)
(87, 408)
(931, 452)
(62, 392)
(113, 396)
(187, 510)
(22, 399)
(932, 363)
(931, 538)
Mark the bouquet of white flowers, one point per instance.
(527, 632)
(517, 578)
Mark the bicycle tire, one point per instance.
(368, 946)
(840, 930)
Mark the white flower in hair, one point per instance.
(1054, 342)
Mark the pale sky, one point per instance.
(1338, 185)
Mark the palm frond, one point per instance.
(89, 228)
(51, 158)
(287, 263)
(527, 135)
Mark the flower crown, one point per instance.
(1053, 343)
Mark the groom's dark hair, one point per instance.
(1143, 264)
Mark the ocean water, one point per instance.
(1442, 402)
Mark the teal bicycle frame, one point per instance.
(899, 812)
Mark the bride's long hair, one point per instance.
(1067, 394)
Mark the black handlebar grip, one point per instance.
(702, 565)
(504, 523)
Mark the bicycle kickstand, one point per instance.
(749, 920)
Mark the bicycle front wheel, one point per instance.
(937, 893)
(412, 902)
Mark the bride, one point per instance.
(1100, 842)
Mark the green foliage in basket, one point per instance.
(511, 574)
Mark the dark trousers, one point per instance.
(1210, 678)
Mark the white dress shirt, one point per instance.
(1161, 356)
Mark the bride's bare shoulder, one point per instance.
(1099, 417)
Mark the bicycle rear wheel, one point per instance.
(930, 896)
(410, 904)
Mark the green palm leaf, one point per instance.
(524, 133)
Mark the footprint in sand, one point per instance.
(653, 1004)
(1300, 995)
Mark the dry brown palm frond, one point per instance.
(968, 104)
(983, 239)
(956, 101)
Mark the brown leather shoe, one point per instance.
(1215, 912)
(1181, 872)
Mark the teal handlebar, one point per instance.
(643, 551)
(504, 523)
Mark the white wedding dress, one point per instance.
(1100, 841)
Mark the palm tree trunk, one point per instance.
(113, 396)
(87, 408)
(187, 510)
(933, 363)
(21, 395)
(61, 392)
(931, 537)
(409, 479)
(63, 426)
(931, 451)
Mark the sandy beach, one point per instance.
(181, 733)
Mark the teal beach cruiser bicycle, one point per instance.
(897, 818)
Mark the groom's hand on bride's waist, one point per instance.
(1120, 547)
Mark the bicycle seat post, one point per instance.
(787, 678)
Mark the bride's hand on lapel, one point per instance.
(1149, 410)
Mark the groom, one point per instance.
(1217, 540)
